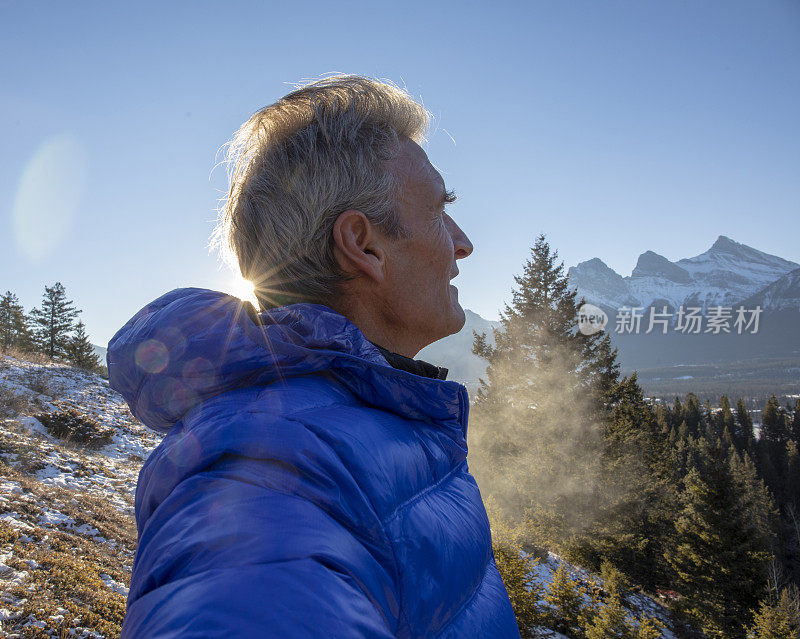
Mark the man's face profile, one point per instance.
(422, 264)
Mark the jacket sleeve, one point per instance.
(259, 548)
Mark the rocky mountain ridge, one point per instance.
(728, 273)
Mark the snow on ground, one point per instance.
(64, 506)
(110, 472)
(636, 603)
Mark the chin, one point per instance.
(459, 318)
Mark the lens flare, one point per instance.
(152, 356)
(48, 196)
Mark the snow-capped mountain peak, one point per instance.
(727, 273)
(604, 285)
(782, 295)
(655, 265)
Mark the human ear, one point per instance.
(357, 246)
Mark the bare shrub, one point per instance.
(36, 380)
(72, 426)
(8, 534)
(11, 403)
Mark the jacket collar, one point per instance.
(415, 366)
(193, 344)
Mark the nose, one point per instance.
(462, 247)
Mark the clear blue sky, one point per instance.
(612, 127)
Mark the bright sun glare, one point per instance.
(244, 290)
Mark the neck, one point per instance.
(379, 325)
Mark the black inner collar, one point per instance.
(415, 366)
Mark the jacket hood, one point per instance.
(192, 344)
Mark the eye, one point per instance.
(449, 198)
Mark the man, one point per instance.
(313, 478)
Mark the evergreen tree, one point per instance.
(676, 413)
(633, 530)
(778, 621)
(80, 351)
(794, 431)
(772, 447)
(720, 552)
(54, 321)
(535, 430)
(541, 322)
(693, 415)
(14, 330)
(755, 494)
(792, 475)
(725, 419)
(743, 435)
(649, 628)
(564, 596)
(773, 424)
(611, 621)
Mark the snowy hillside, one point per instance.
(67, 537)
(726, 274)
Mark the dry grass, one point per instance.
(28, 356)
(67, 551)
(26, 453)
(82, 507)
(13, 404)
(37, 380)
(63, 586)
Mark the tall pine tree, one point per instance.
(779, 621)
(724, 420)
(794, 428)
(632, 530)
(773, 424)
(720, 552)
(14, 330)
(534, 427)
(54, 321)
(771, 447)
(80, 351)
(743, 436)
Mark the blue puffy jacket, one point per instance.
(304, 488)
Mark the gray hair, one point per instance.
(296, 165)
